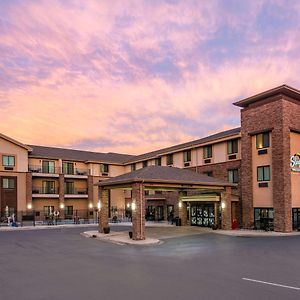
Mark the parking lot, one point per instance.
(62, 264)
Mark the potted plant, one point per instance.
(106, 230)
(130, 234)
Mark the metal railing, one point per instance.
(44, 190)
(44, 169)
(76, 171)
(76, 191)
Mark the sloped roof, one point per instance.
(282, 89)
(211, 138)
(160, 174)
(15, 142)
(77, 155)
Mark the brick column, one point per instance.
(138, 214)
(182, 210)
(216, 209)
(103, 214)
(61, 187)
(29, 190)
(226, 211)
(90, 184)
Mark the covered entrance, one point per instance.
(166, 179)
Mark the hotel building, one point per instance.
(260, 159)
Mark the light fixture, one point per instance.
(99, 205)
(133, 205)
(62, 206)
(128, 205)
(223, 205)
(29, 206)
(91, 205)
(179, 204)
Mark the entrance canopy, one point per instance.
(169, 178)
(161, 178)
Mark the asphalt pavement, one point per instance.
(63, 264)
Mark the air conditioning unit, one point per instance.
(104, 174)
(187, 164)
(207, 161)
(170, 165)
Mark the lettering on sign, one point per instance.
(295, 162)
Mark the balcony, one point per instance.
(76, 172)
(76, 193)
(44, 171)
(39, 191)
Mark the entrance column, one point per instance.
(138, 212)
(103, 213)
(182, 208)
(226, 208)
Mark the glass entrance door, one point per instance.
(202, 215)
(160, 213)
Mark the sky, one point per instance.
(134, 76)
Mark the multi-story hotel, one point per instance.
(260, 158)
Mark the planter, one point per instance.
(130, 234)
(106, 230)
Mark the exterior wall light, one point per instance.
(128, 205)
(133, 205)
(62, 206)
(99, 205)
(223, 205)
(180, 204)
(29, 206)
(91, 205)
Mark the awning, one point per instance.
(201, 198)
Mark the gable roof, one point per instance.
(280, 90)
(78, 155)
(160, 174)
(5, 137)
(188, 145)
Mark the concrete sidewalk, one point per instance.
(120, 238)
(255, 233)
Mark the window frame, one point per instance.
(169, 159)
(207, 151)
(234, 145)
(8, 160)
(187, 156)
(9, 186)
(263, 168)
(104, 168)
(235, 175)
(158, 161)
(265, 140)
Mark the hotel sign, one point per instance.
(295, 162)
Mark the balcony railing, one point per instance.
(76, 191)
(41, 169)
(57, 170)
(76, 171)
(44, 190)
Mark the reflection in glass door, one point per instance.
(202, 215)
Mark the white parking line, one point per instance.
(271, 283)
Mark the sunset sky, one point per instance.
(134, 76)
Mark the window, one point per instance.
(8, 183)
(232, 146)
(263, 218)
(263, 173)
(104, 168)
(8, 161)
(233, 176)
(68, 168)
(169, 159)
(69, 210)
(133, 167)
(187, 155)
(207, 151)
(208, 173)
(158, 161)
(48, 187)
(48, 210)
(145, 164)
(69, 187)
(263, 140)
(48, 166)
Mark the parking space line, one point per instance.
(274, 284)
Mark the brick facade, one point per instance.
(138, 214)
(278, 116)
(104, 210)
